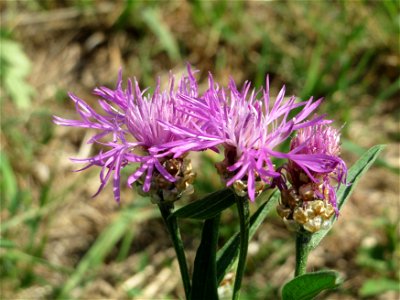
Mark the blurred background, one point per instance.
(58, 242)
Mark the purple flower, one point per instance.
(249, 129)
(310, 200)
(129, 131)
(319, 140)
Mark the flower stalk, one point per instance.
(173, 229)
(302, 252)
(242, 204)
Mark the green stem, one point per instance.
(175, 235)
(244, 219)
(302, 252)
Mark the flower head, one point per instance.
(310, 200)
(319, 140)
(129, 131)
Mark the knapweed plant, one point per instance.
(157, 131)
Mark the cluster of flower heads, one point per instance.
(158, 131)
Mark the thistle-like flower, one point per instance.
(128, 131)
(249, 129)
(310, 200)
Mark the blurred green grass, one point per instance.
(347, 52)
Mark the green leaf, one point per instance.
(13, 54)
(356, 149)
(208, 207)
(204, 279)
(378, 286)
(354, 175)
(356, 171)
(165, 37)
(27, 258)
(4, 243)
(309, 285)
(314, 70)
(227, 255)
(8, 181)
(15, 66)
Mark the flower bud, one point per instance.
(308, 197)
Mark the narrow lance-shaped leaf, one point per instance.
(244, 219)
(174, 233)
(166, 39)
(208, 207)
(354, 175)
(204, 283)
